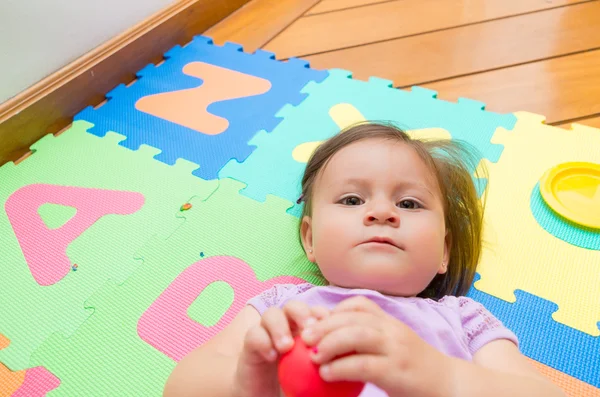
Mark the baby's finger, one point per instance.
(314, 333)
(299, 313)
(258, 345)
(320, 312)
(353, 339)
(358, 367)
(276, 323)
(358, 304)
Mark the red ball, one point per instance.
(299, 376)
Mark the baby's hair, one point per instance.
(455, 165)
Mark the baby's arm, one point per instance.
(499, 369)
(209, 370)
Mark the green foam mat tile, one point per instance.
(229, 249)
(55, 216)
(121, 198)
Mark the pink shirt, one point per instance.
(456, 326)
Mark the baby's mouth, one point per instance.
(382, 240)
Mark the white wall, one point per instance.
(38, 37)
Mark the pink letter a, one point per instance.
(45, 249)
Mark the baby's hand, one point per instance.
(387, 352)
(256, 373)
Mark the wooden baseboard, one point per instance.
(49, 105)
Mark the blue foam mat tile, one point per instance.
(246, 116)
(541, 338)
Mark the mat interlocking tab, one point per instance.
(203, 103)
(48, 273)
(556, 345)
(519, 253)
(28, 382)
(144, 323)
(271, 168)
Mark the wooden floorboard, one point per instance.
(335, 5)
(562, 89)
(590, 122)
(389, 20)
(258, 21)
(474, 48)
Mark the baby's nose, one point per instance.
(382, 216)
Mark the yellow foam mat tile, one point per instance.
(519, 253)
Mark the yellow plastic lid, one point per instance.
(573, 191)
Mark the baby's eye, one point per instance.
(409, 204)
(351, 200)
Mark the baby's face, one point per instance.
(377, 220)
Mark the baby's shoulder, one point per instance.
(463, 306)
(478, 324)
(473, 315)
(280, 292)
(457, 303)
(277, 295)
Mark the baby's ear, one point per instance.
(447, 247)
(306, 236)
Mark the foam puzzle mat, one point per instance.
(137, 234)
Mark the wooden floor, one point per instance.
(541, 56)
